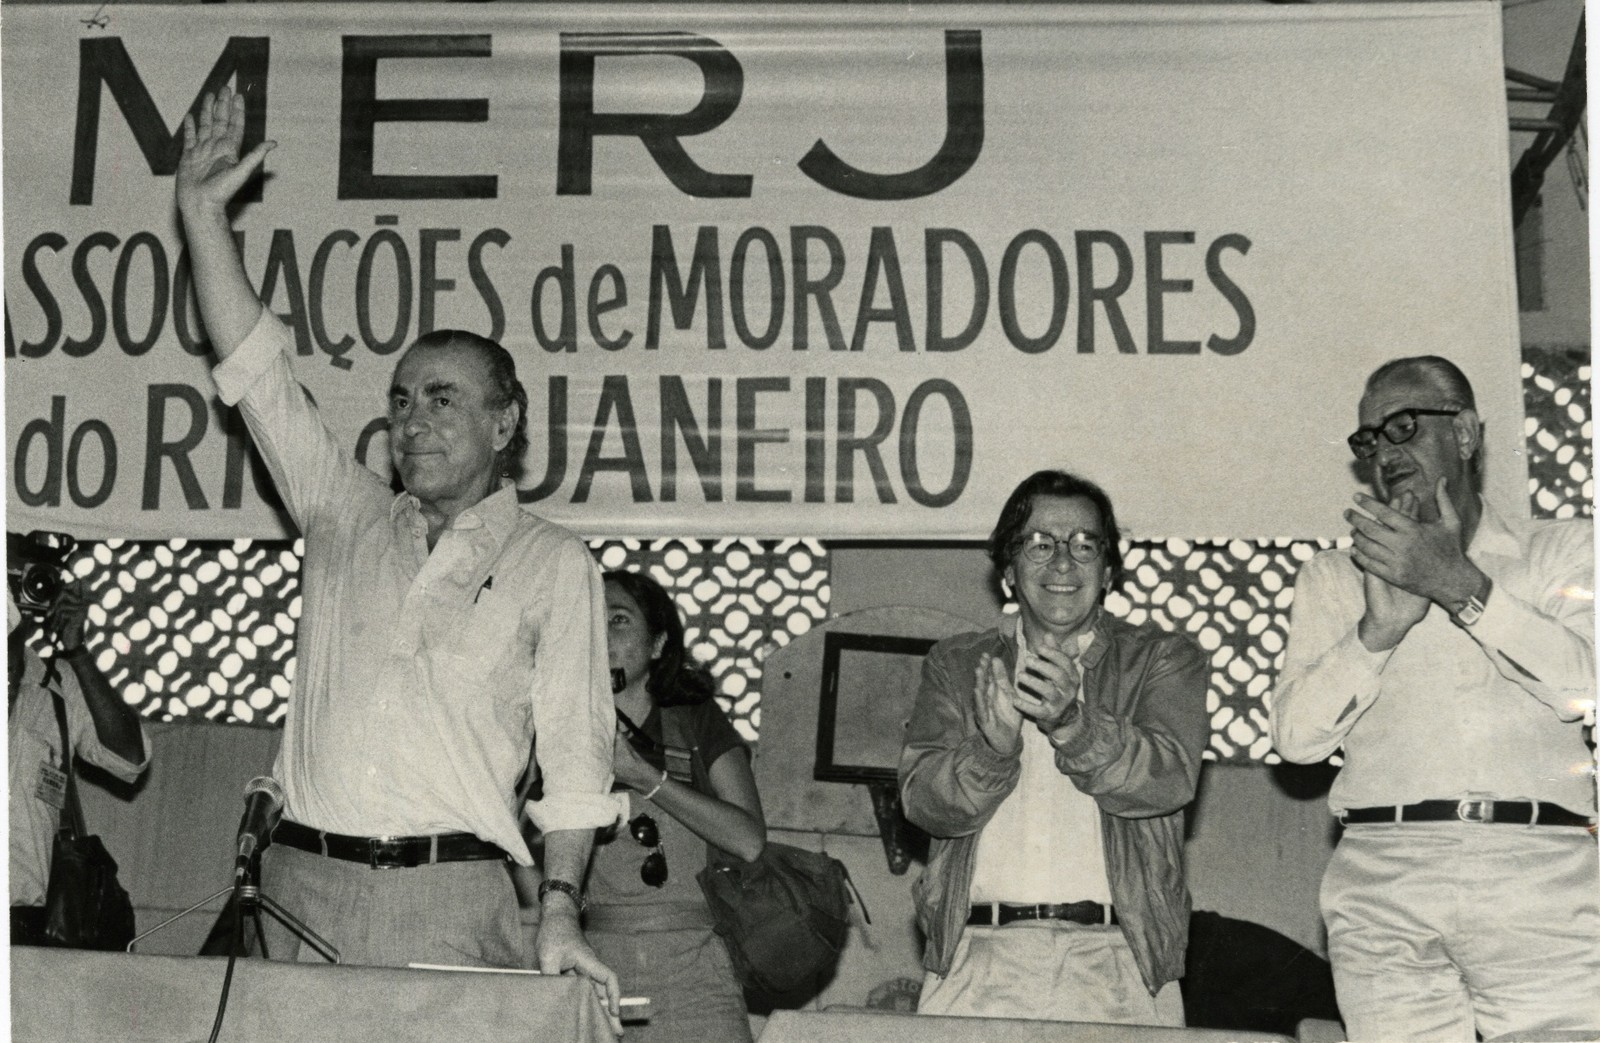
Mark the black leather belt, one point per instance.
(1510, 812)
(387, 852)
(998, 914)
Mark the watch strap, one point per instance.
(568, 889)
(1468, 612)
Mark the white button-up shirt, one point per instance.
(1493, 710)
(421, 678)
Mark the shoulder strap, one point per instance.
(675, 732)
(72, 822)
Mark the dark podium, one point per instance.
(66, 995)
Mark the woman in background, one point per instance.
(689, 782)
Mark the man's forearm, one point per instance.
(229, 307)
(115, 722)
(566, 856)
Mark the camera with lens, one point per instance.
(34, 571)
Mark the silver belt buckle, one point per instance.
(1475, 810)
(387, 853)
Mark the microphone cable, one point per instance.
(233, 955)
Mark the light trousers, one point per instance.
(1440, 930)
(453, 913)
(1049, 970)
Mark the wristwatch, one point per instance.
(570, 890)
(1468, 612)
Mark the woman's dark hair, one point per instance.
(1006, 538)
(674, 678)
(504, 387)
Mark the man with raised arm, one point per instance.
(442, 628)
(1450, 652)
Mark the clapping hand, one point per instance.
(1047, 687)
(1383, 541)
(996, 712)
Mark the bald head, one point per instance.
(1442, 375)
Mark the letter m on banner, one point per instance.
(105, 61)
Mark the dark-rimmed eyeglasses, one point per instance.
(1082, 546)
(653, 871)
(1398, 427)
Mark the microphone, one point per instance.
(263, 806)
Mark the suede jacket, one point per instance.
(1135, 747)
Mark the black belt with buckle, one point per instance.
(1509, 812)
(387, 852)
(998, 914)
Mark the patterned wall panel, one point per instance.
(188, 629)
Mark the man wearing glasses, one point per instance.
(1450, 652)
(1051, 758)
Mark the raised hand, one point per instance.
(67, 616)
(997, 715)
(210, 171)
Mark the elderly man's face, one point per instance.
(1435, 451)
(1058, 597)
(444, 435)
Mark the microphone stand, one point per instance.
(251, 900)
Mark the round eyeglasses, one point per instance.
(1083, 547)
(653, 871)
(1398, 427)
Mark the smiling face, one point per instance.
(1058, 599)
(1442, 447)
(444, 436)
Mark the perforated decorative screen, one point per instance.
(206, 630)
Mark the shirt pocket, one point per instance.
(488, 641)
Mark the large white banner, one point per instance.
(830, 271)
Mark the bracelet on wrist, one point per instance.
(563, 887)
(656, 788)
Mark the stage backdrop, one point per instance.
(832, 271)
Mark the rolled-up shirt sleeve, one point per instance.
(86, 741)
(309, 469)
(238, 373)
(573, 713)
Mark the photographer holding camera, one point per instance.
(103, 730)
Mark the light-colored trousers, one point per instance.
(454, 913)
(1437, 930)
(1049, 970)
